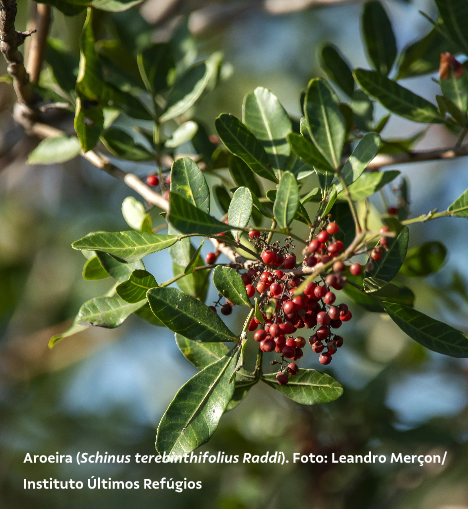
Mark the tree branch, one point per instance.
(36, 52)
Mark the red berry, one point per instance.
(274, 330)
(323, 236)
(289, 261)
(293, 368)
(254, 234)
(334, 313)
(392, 211)
(288, 351)
(343, 307)
(279, 274)
(299, 324)
(333, 228)
(282, 378)
(323, 319)
(313, 246)
(323, 332)
(226, 309)
(253, 324)
(339, 266)
(329, 298)
(246, 279)
(320, 292)
(262, 287)
(152, 180)
(288, 307)
(309, 289)
(250, 291)
(299, 342)
(213, 308)
(317, 347)
(311, 261)
(252, 273)
(355, 269)
(290, 341)
(297, 355)
(211, 258)
(269, 257)
(384, 242)
(331, 346)
(347, 317)
(266, 277)
(326, 258)
(267, 345)
(384, 229)
(339, 245)
(338, 341)
(276, 289)
(286, 327)
(335, 324)
(260, 335)
(376, 253)
(298, 303)
(168, 180)
(294, 282)
(334, 248)
(325, 358)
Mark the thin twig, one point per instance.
(38, 44)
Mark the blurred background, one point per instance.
(106, 390)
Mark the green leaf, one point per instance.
(337, 68)
(363, 109)
(258, 313)
(266, 118)
(115, 98)
(187, 89)
(379, 287)
(187, 218)
(199, 354)
(135, 215)
(93, 270)
(156, 64)
(107, 312)
(397, 99)
(55, 150)
(122, 144)
(242, 143)
(393, 257)
(329, 201)
(434, 335)
(114, 5)
(243, 175)
(64, 65)
(378, 35)
(194, 413)
(454, 14)
(424, 260)
(195, 257)
(459, 207)
(230, 285)
(240, 210)
(327, 126)
(308, 387)
(186, 315)
(88, 116)
(448, 106)
(147, 315)
(188, 181)
(423, 56)
(134, 290)
(223, 198)
(456, 89)
(287, 200)
(362, 155)
(73, 329)
(119, 270)
(64, 6)
(194, 284)
(369, 183)
(183, 133)
(129, 246)
(361, 298)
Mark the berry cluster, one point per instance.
(153, 181)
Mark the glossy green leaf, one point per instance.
(266, 118)
(193, 260)
(122, 144)
(129, 246)
(93, 270)
(55, 150)
(155, 64)
(223, 198)
(357, 162)
(107, 312)
(454, 14)
(241, 388)
(187, 89)
(230, 285)
(456, 89)
(194, 413)
(64, 65)
(459, 207)
(183, 133)
(298, 167)
(134, 290)
(148, 316)
(242, 143)
(379, 287)
(337, 69)
(240, 210)
(119, 270)
(434, 335)
(327, 126)
(362, 299)
(200, 354)
(446, 106)
(135, 215)
(88, 116)
(243, 175)
(424, 260)
(194, 284)
(393, 257)
(308, 387)
(397, 99)
(186, 315)
(287, 200)
(187, 218)
(378, 35)
(115, 98)
(369, 183)
(363, 109)
(329, 201)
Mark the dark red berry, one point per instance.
(288, 351)
(323, 319)
(288, 307)
(262, 287)
(333, 228)
(355, 269)
(299, 324)
(211, 258)
(254, 234)
(297, 354)
(286, 327)
(267, 345)
(338, 341)
(325, 358)
(279, 274)
(309, 289)
(289, 261)
(266, 277)
(323, 332)
(313, 246)
(334, 248)
(260, 335)
(334, 313)
(253, 324)
(246, 279)
(269, 257)
(313, 339)
(376, 253)
(252, 273)
(320, 292)
(392, 211)
(343, 307)
(384, 242)
(274, 330)
(323, 236)
(213, 308)
(282, 378)
(276, 289)
(250, 291)
(311, 261)
(226, 309)
(335, 324)
(293, 368)
(331, 347)
(339, 266)
(152, 180)
(329, 298)
(299, 342)
(298, 303)
(280, 342)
